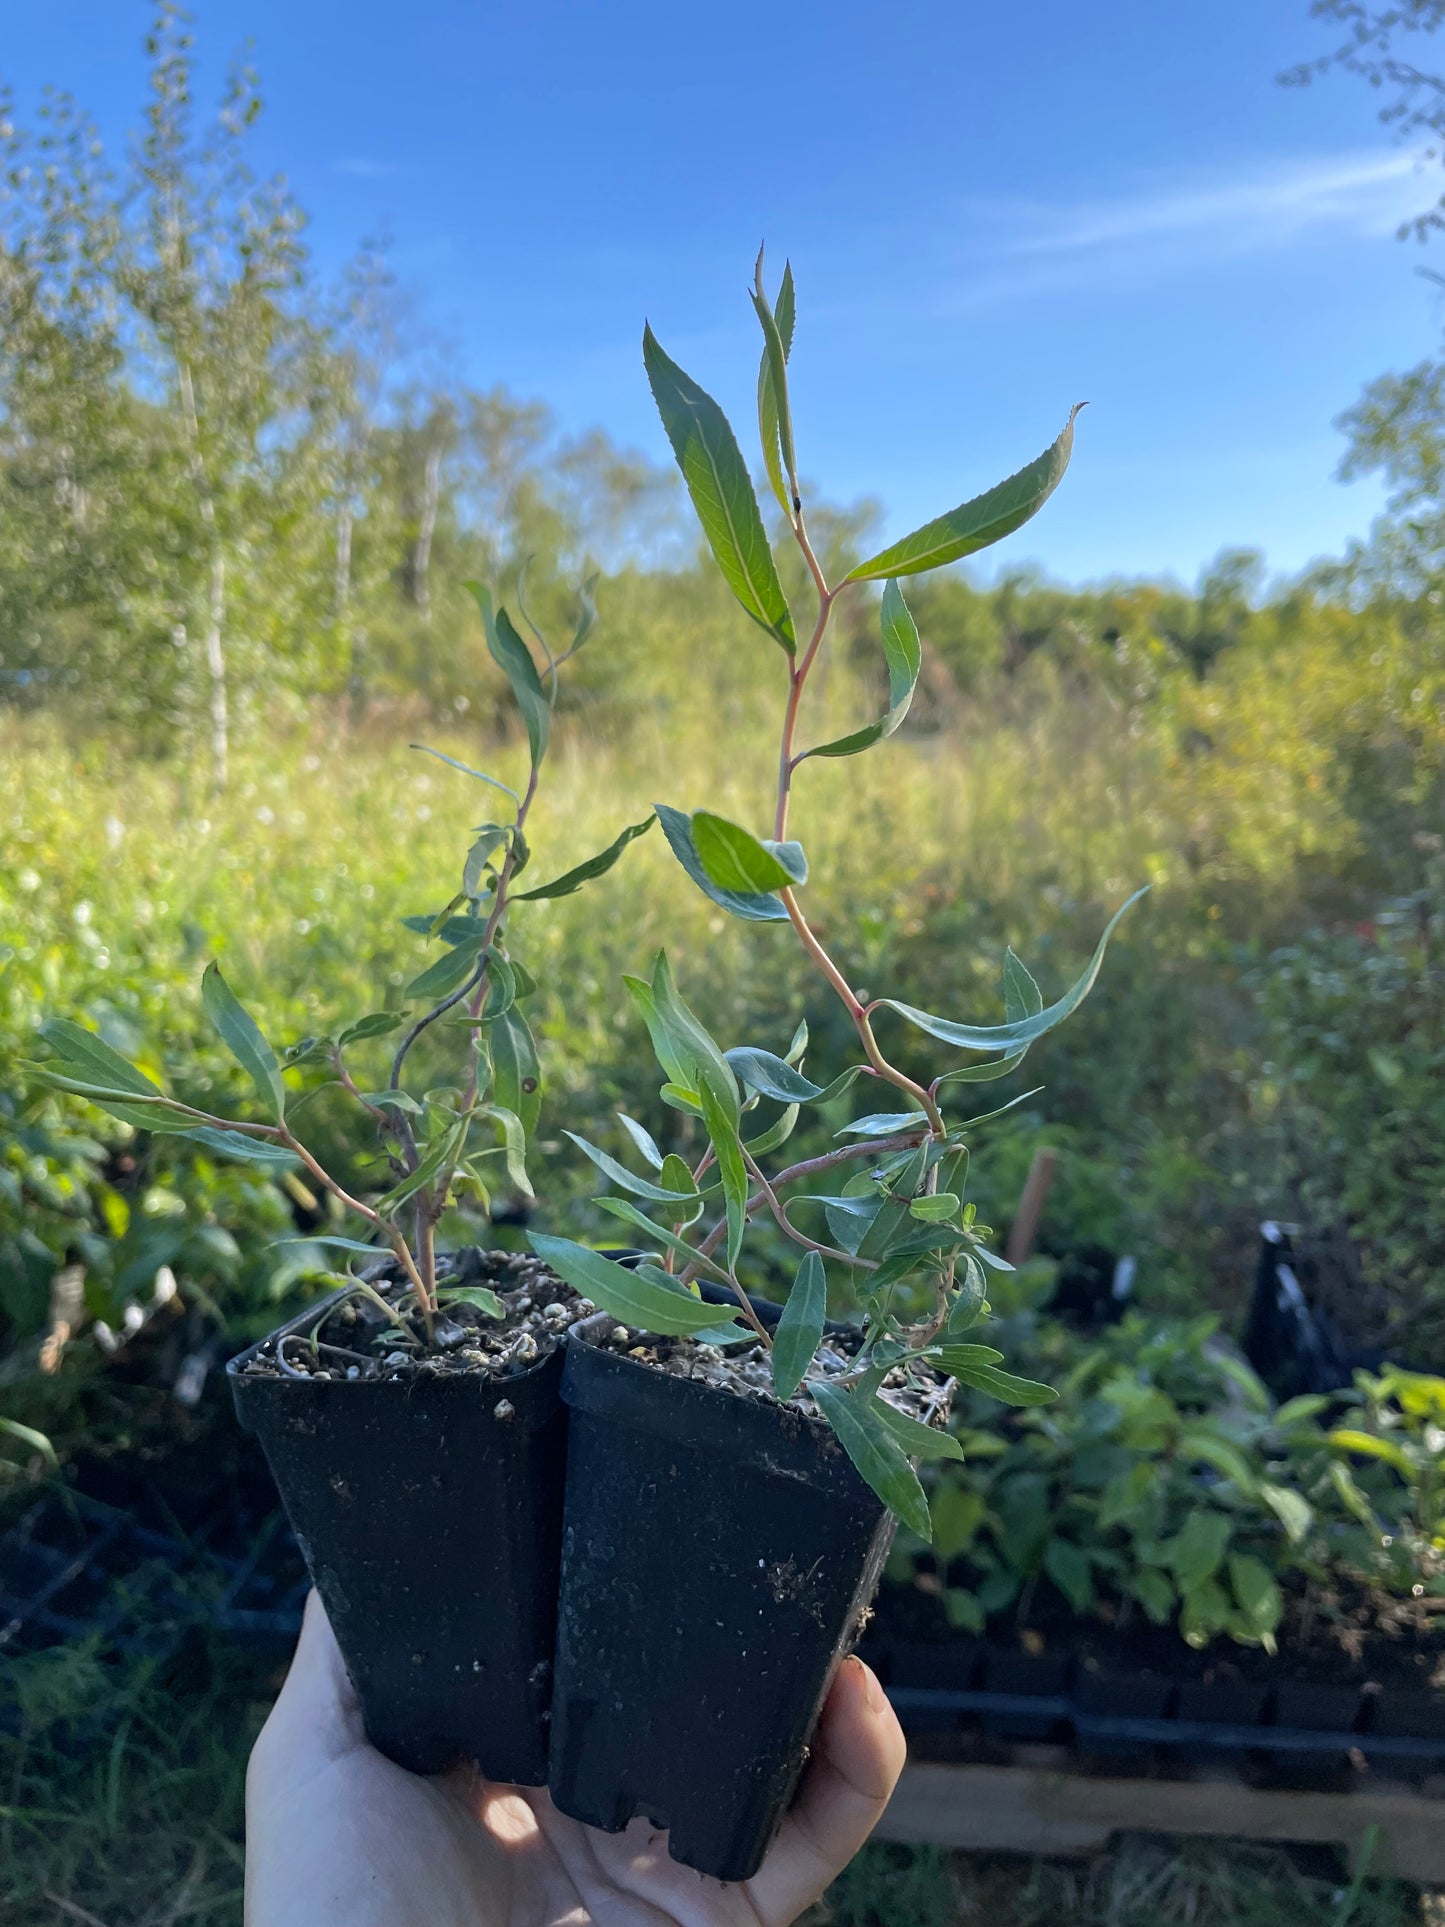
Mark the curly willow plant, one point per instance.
(900, 1220)
(440, 1142)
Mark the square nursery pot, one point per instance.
(429, 1514)
(719, 1554)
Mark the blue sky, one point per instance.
(992, 213)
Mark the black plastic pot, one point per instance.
(718, 1556)
(429, 1513)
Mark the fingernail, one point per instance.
(871, 1690)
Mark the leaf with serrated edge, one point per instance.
(634, 1301)
(975, 524)
(241, 1034)
(903, 654)
(877, 1456)
(722, 493)
(799, 1331)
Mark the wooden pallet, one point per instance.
(1042, 1808)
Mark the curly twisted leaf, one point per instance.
(976, 524)
(722, 493)
(1023, 1031)
(595, 866)
(904, 655)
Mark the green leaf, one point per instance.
(629, 1214)
(451, 969)
(978, 523)
(447, 928)
(1004, 1386)
(235, 1144)
(516, 1071)
(144, 1113)
(1154, 1593)
(721, 1119)
(878, 1457)
(1223, 1454)
(1292, 1509)
(443, 1151)
(241, 1035)
(491, 838)
(514, 1144)
(937, 1208)
(954, 1359)
(633, 1300)
(643, 1139)
(332, 1243)
(514, 659)
(918, 1440)
(722, 493)
(1068, 1567)
(683, 1047)
(626, 1180)
(770, 1076)
(1023, 1031)
(738, 864)
(1195, 1553)
(904, 656)
(768, 423)
(775, 417)
(776, 1134)
(37, 1441)
(587, 621)
(1296, 1411)
(1255, 1592)
(891, 1220)
(595, 866)
(750, 906)
(678, 1179)
(485, 1301)
(799, 1331)
(883, 1124)
(380, 1023)
(466, 768)
(968, 1302)
(1368, 1446)
(91, 1061)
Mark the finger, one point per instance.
(858, 1754)
(318, 1698)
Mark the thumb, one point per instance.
(858, 1754)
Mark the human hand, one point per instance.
(339, 1836)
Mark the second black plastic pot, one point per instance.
(718, 1556)
(429, 1513)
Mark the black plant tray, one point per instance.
(953, 1696)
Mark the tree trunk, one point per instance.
(215, 625)
(421, 560)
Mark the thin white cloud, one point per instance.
(360, 168)
(1364, 194)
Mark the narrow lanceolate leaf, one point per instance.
(1024, 1031)
(629, 1214)
(90, 1060)
(904, 655)
(514, 659)
(883, 1124)
(514, 1144)
(1021, 998)
(516, 1072)
(1004, 1386)
(676, 1177)
(954, 1359)
(380, 1023)
(738, 862)
(775, 1134)
(752, 907)
(772, 1076)
(799, 1331)
(626, 1180)
(877, 1455)
(451, 969)
(241, 1035)
(775, 416)
(683, 1047)
(486, 1302)
(444, 1151)
(722, 492)
(784, 315)
(595, 866)
(976, 524)
(235, 1144)
(918, 1440)
(476, 871)
(642, 1138)
(142, 1112)
(722, 1127)
(642, 1302)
